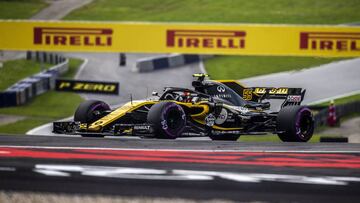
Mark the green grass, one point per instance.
(239, 11)
(15, 70)
(74, 64)
(20, 9)
(342, 100)
(238, 67)
(44, 108)
(23, 126)
(52, 104)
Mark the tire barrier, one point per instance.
(28, 88)
(341, 110)
(45, 57)
(168, 61)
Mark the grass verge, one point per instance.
(238, 67)
(20, 9)
(342, 100)
(45, 108)
(230, 11)
(15, 70)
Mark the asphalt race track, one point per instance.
(190, 169)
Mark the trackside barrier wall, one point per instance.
(168, 61)
(27, 88)
(184, 38)
(341, 111)
(45, 57)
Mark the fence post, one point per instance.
(28, 55)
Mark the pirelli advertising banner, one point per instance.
(87, 86)
(230, 39)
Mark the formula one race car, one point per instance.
(221, 110)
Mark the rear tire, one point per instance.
(168, 120)
(297, 123)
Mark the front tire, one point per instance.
(168, 120)
(89, 111)
(296, 122)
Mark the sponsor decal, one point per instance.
(62, 36)
(262, 90)
(279, 91)
(141, 127)
(223, 96)
(330, 41)
(220, 39)
(82, 86)
(210, 120)
(247, 94)
(220, 89)
(222, 117)
(294, 98)
(164, 125)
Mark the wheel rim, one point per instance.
(304, 124)
(96, 110)
(175, 120)
(99, 107)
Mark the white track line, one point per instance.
(82, 66)
(202, 67)
(39, 128)
(176, 150)
(47, 125)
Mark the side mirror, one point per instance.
(196, 84)
(155, 94)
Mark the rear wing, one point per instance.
(292, 96)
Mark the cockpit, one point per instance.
(182, 95)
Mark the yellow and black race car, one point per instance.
(221, 110)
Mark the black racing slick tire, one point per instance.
(295, 124)
(168, 120)
(90, 111)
